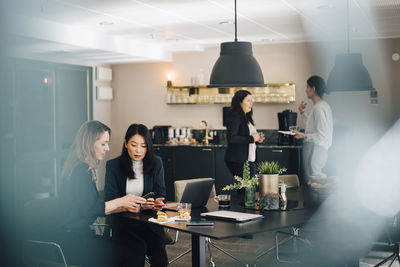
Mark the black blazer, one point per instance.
(239, 138)
(80, 199)
(115, 187)
(115, 184)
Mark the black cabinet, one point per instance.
(167, 156)
(194, 162)
(188, 162)
(222, 174)
(288, 158)
(185, 162)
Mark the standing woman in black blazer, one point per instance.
(138, 171)
(80, 205)
(241, 134)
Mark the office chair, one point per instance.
(41, 217)
(392, 232)
(179, 188)
(291, 181)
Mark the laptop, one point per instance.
(197, 193)
(232, 216)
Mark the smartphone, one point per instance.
(200, 223)
(160, 205)
(149, 195)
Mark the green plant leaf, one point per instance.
(272, 167)
(243, 182)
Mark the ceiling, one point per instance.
(116, 31)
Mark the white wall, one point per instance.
(102, 111)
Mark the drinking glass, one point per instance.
(224, 201)
(293, 128)
(184, 207)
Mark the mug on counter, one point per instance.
(224, 201)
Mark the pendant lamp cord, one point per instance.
(235, 23)
(348, 27)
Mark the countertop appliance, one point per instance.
(286, 119)
(160, 134)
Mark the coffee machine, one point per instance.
(286, 119)
(160, 134)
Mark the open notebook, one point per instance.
(232, 216)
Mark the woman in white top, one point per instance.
(138, 171)
(318, 128)
(241, 134)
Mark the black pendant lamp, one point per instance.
(349, 72)
(236, 66)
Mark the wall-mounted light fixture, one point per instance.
(169, 82)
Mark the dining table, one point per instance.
(272, 220)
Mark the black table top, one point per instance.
(273, 220)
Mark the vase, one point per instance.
(269, 184)
(249, 197)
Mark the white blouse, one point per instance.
(319, 124)
(135, 186)
(252, 146)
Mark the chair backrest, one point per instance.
(42, 217)
(181, 184)
(291, 180)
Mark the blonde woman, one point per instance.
(80, 202)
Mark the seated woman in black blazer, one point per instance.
(137, 172)
(80, 206)
(241, 134)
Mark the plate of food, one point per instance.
(162, 218)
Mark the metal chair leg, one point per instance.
(393, 257)
(212, 263)
(147, 260)
(180, 256)
(271, 249)
(208, 240)
(295, 236)
(51, 244)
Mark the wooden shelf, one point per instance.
(272, 93)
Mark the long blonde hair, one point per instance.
(82, 150)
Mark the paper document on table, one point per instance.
(287, 132)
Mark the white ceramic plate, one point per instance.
(177, 219)
(154, 220)
(287, 132)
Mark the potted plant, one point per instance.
(269, 177)
(246, 182)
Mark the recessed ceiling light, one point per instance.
(267, 40)
(327, 6)
(106, 23)
(226, 23)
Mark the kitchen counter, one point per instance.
(200, 160)
(225, 145)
